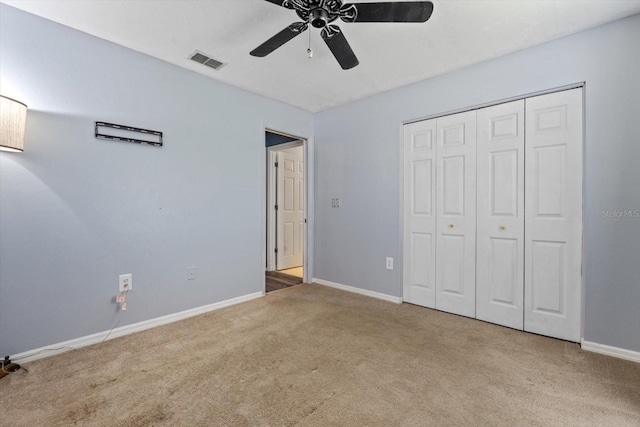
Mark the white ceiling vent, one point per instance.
(204, 59)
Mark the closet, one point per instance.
(492, 215)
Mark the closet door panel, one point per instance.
(455, 219)
(500, 214)
(553, 226)
(419, 146)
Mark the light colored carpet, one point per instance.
(316, 356)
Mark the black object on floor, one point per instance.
(7, 366)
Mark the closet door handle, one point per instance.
(450, 225)
(502, 228)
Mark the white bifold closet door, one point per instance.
(500, 214)
(456, 214)
(419, 238)
(439, 213)
(493, 214)
(553, 223)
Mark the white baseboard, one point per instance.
(360, 291)
(620, 353)
(40, 353)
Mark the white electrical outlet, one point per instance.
(126, 282)
(191, 273)
(389, 263)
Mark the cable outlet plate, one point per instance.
(126, 282)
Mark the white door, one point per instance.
(419, 232)
(553, 224)
(456, 214)
(500, 215)
(290, 223)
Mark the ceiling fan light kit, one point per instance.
(321, 13)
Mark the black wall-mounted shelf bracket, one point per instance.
(121, 130)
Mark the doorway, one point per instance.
(286, 211)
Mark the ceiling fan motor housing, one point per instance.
(319, 18)
(318, 12)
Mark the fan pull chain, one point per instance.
(309, 50)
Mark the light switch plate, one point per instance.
(191, 273)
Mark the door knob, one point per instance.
(450, 225)
(502, 228)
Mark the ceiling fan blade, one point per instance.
(339, 46)
(279, 39)
(279, 3)
(402, 11)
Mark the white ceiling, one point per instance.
(459, 33)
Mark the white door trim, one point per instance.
(271, 219)
(309, 183)
(496, 102)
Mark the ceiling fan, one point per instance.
(321, 13)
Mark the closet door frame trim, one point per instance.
(497, 102)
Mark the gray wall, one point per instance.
(75, 212)
(357, 159)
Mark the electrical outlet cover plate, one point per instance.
(126, 282)
(389, 263)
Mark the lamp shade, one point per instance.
(13, 120)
